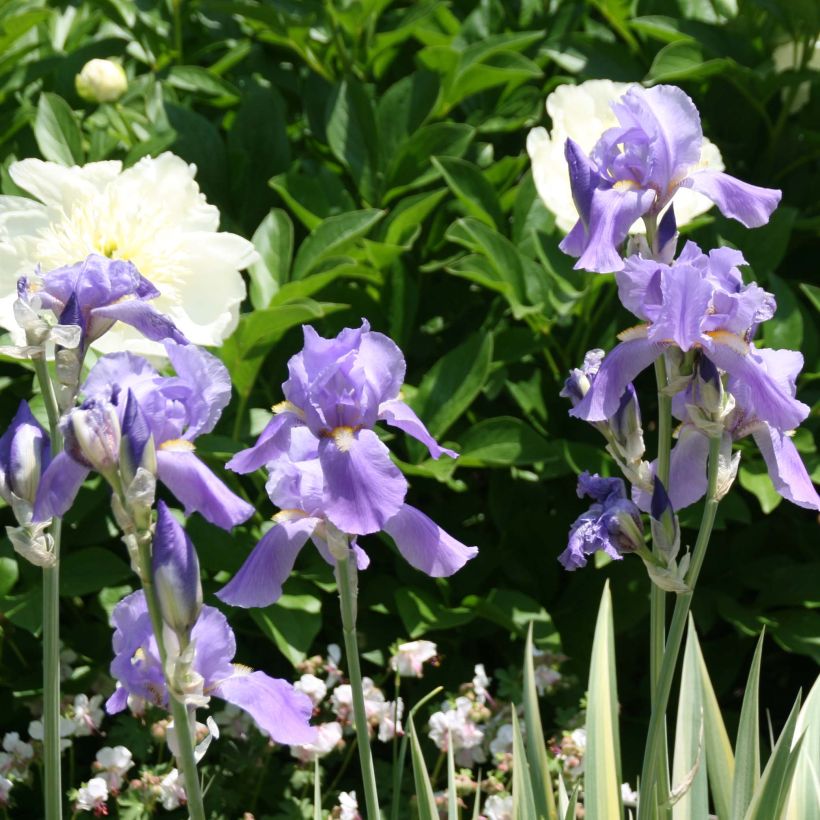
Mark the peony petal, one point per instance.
(750, 205)
(398, 414)
(200, 490)
(425, 545)
(274, 704)
(786, 468)
(363, 488)
(259, 580)
(58, 488)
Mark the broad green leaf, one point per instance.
(291, 623)
(504, 441)
(312, 192)
(403, 223)
(9, 572)
(536, 745)
(453, 383)
(57, 131)
(602, 779)
(24, 610)
(522, 787)
(88, 570)
(273, 240)
(201, 81)
(813, 293)
(689, 762)
(747, 746)
(517, 612)
(803, 801)
(404, 107)
(754, 477)
(473, 190)
(332, 236)
(424, 791)
(719, 757)
(305, 288)
(787, 331)
(684, 60)
(420, 612)
(775, 782)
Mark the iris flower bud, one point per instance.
(92, 435)
(626, 426)
(175, 571)
(665, 527)
(137, 448)
(24, 453)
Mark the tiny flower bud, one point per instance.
(137, 447)
(665, 526)
(175, 571)
(708, 387)
(626, 427)
(24, 452)
(101, 81)
(92, 435)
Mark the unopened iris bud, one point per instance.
(665, 527)
(101, 81)
(175, 572)
(708, 387)
(92, 435)
(626, 427)
(137, 448)
(24, 454)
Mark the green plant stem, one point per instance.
(51, 626)
(179, 712)
(346, 579)
(655, 751)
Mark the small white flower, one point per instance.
(315, 688)
(171, 791)
(348, 806)
(112, 763)
(234, 722)
(67, 728)
(583, 112)
(18, 749)
(390, 714)
(5, 788)
(498, 807)
(480, 683)
(341, 701)
(152, 214)
(101, 81)
(502, 743)
(87, 714)
(410, 657)
(628, 795)
(457, 721)
(328, 736)
(92, 796)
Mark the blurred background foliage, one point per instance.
(374, 151)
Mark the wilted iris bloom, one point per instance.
(98, 292)
(699, 303)
(173, 411)
(635, 169)
(338, 389)
(297, 484)
(612, 524)
(274, 704)
(24, 455)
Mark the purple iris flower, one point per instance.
(635, 169)
(24, 454)
(174, 410)
(612, 524)
(100, 291)
(297, 484)
(278, 708)
(699, 303)
(338, 389)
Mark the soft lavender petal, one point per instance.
(425, 545)
(750, 205)
(259, 580)
(278, 708)
(363, 488)
(272, 442)
(398, 414)
(215, 646)
(118, 701)
(142, 316)
(684, 304)
(786, 468)
(620, 366)
(200, 490)
(117, 371)
(584, 179)
(58, 488)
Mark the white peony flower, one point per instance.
(315, 688)
(498, 807)
(92, 796)
(101, 81)
(410, 657)
(328, 736)
(152, 214)
(583, 112)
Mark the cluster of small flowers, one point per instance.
(111, 764)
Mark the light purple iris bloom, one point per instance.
(699, 302)
(612, 524)
(176, 409)
(338, 389)
(635, 169)
(297, 485)
(24, 454)
(278, 709)
(100, 291)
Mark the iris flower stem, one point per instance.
(179, 712)
(655, 751)
(51, 626)
(346, 579)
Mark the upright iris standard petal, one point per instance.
(259, 581)
(425, 545)
(363, 488)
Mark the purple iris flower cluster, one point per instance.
(327, 466)
(695, 311)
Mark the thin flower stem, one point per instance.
(347, 582)
(52, 763)
(186, 760)
(655, 751)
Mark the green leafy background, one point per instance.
(374, 151)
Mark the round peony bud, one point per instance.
(101, 81)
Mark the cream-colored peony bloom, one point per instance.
(101, 81)
(583, 112)
(152, 214)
